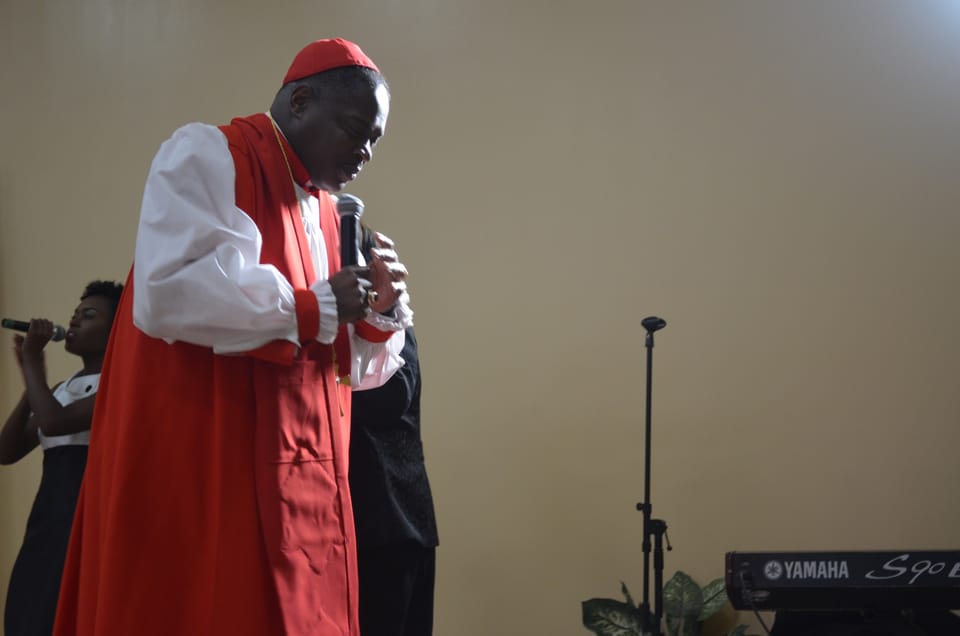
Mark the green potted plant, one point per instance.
(686, 606)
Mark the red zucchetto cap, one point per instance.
(324, 55)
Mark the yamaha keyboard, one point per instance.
(843, 580)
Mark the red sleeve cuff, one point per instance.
(370, 333)
(308, 314)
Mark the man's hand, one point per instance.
(387, 275)
(350, 286)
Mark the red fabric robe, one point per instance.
(215, 499)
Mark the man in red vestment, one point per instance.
(215, 499)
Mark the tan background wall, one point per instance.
(776, 179)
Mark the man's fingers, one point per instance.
(397, 270)
(360, 271)
(350, 287)
(383, 240)
(393, 271)
(383, 254)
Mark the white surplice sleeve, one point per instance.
(374, 363)
(197, 271)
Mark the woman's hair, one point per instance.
(107, 289)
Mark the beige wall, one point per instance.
(776, 179)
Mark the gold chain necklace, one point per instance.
(283, 152)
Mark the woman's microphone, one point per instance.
(18, 325)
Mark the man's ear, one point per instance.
(300, 99)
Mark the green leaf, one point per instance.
(673, 626)
(692, 628)
(626, 593)
(607, 617)
(714, 599)
(682, 598)
(683, 627)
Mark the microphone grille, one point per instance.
(349, 205)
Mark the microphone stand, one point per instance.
(652, 528)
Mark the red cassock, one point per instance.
(215, 499)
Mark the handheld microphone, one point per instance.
(18, 325)
(350, 209)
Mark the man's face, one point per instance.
(335, 134)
